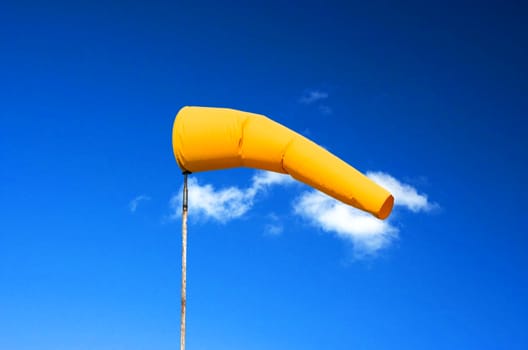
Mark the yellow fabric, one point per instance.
(218, 138)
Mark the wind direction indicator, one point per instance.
(206, 139)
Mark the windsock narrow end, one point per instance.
(386, 208)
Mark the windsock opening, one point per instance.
(386, 208)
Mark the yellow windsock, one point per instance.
(218, 138)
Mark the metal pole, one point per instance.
(184, 261)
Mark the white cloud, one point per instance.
(313, 96)
(133, 205)
(221, 205)
(366, 232)
(404, 195)
(264, 179)
(227, 203)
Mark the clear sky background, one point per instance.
(429, 97)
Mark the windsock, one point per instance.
(206, 138)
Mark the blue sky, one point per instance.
(430, 95)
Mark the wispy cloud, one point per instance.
(312, 96)
(275, 226)
(274, 229)
(316, 98)
(265, 179)
(134, 203)
(368, 234)
(227, 203)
